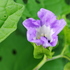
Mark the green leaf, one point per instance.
(10, 13)
(40, 51)
(23, 58)
(67, 40)
(67, 51)
(59, 7)
(67, 66)
(53, 65)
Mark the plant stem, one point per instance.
(65, 47)
(66, 58)
(41, 63)
(55, 57)
(44, 60)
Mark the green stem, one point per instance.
(55, 57)
(65, 47)
(66, 57)
(44, 60)
(41, 63)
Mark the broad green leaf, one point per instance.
(10, 13)
(16, 52)
(53, 65)
(23, 58)
(59, 7)
(40, 51)
(67, 66)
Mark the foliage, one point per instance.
(15, 50)
(67, 66)
(10, 13)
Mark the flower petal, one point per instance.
(58, 26)
(31, 34)
(54, 41)
(28, 23)
(46, 16)
(41, 13)
(42, 41)
(48, 20)
(38, 41)
(45, 42)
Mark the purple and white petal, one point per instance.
(48, 20)
(41, 13)
(28, 23)
(46, 16)
(54, 40)
(45, 42)
(31, 34)
(38, 41)
(58, 26)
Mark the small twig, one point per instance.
(44, 60)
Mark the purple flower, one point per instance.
(44, 31)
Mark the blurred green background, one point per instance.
(16, 53)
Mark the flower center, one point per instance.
(45, 31)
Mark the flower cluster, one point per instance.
(44, 31)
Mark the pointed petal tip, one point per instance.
(64, 22)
